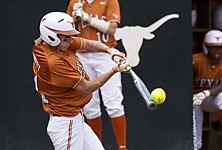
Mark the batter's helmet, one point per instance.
(212, 38)
(56, 23)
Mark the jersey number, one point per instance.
(105, 37)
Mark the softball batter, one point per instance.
(62, 83)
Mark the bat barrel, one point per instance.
(143, 91)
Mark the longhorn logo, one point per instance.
(132, 37)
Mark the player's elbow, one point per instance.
(86, 91)
(84, 87)
(112, 28)
(111, 31)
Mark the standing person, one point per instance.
(98, 20)
(207, 76)
(62, 83)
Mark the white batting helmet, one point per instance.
(212, 38)
(56, 23)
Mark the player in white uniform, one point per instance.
(98, 20)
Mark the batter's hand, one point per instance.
(81, 15)
(123, 66)
(117, 56)
(200, 97)
(78, 12)
(78, 5)
(76, 8)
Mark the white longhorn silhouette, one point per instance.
(132, 37)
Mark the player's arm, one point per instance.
(101, 25)
(112, 28)
(216, 89)
(112, 17)
(96, 46)
(92, 85)
(198, 98)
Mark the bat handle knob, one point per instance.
(152, 106)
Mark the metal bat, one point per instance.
(143, 91)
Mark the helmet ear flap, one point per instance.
(51, 38)
(205, 50)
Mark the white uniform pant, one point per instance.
(96, 64)
(72, 133)
(210, 104)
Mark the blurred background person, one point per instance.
(98, 20)
(207, 76)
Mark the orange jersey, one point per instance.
(205, 76)
(107, 10)
(57, 74)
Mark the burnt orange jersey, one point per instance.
(205, 76)
(107, 10)
(56, 73)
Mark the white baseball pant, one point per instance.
(72, 133)
(210, 104)
(95, 64)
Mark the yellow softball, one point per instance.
(158, 95)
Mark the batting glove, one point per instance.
(117, 56)
(78, 5)
(199, 97)
(76, 8)
(81, 15)
(123, 66)
(78, 12)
